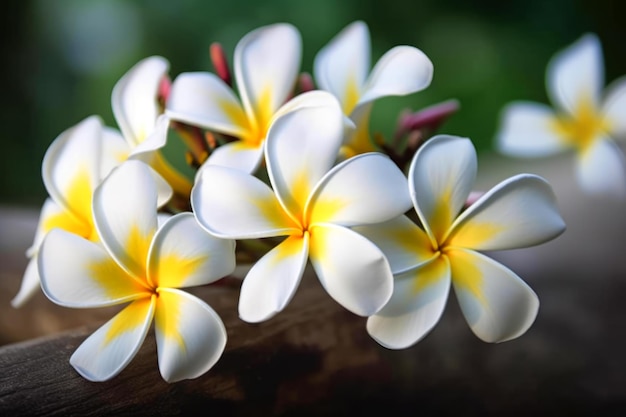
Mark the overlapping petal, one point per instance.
(190, 335)
(156, 139)
(273, 280)
(404, 244)
(614, 108)
(402, 70)
(496, 303)
(134, 99)
(342, 66)
(111, 348)
(115, 150)
(183, 254)
(354, 272)
(519, 212)
(266, 63)
(576, 73)
(124, 210)
(30, 284)
(54, 216)
(78, 273)
(71, 166)
(301, 147)
(203, 99)
(602, 168)
(441, 176)
(527, 129)
(368, 188)
(235, 205)
(418, 300)
(357, 141)
(239, 155)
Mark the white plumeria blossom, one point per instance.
(519, 212)
(342, 68)
(141, 120)
(73, 166)
(143, 265)
(266, 65)
(586, 119)
(312, 203)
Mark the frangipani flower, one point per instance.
(144, 266)
(496, 303)
(586, 119)
(74, 165)
(342, 67)
(266, 66)
(312, 203)
(139, 115)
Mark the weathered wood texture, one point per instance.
(317, 359)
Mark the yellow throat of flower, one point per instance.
(581, 128)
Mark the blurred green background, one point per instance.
(61, 58)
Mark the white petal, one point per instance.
(354, 272)
(404, 244)
(301, 147)
(418, 300)
(576, 73)
(238, 155)
(107, 352)
(496, 303)
(115, 150)
(273, 280)
(267, 61)
(368, 188)
(203, 99)
(156, 139)
(402, 70)
(30, 284)
(190, 335)
(341, 67)
(234, 205)
(71, 166)
(78, 273)
(134, 98)
(185, 255)
(519, 212)
(441, 177)
(527, 130)
(614, 108)
(601, 169)
(314, 98)
(125, 213)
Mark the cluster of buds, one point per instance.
(286, 174)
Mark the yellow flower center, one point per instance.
(583, 127)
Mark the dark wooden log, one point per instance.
(287, 363)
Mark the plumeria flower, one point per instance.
(138, 113)
(143, 266)
(586, 119)
(266, 65)
(74, 165)
(342, 68)
(312, 203)
(496, 303)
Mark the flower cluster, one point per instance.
(295, 170)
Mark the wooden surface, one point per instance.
(316, 358)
